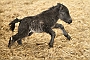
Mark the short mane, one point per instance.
(49, 9)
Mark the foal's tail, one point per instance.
(12, 23)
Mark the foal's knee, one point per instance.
(54, 34)
(61, 26)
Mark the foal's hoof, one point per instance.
(68, 37)
(10, 43)
(50, 45)
(9, 46)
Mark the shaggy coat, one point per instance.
(43, 22)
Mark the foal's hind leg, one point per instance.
(17, 37)
(12, 40)
(62, 28)
(19, 42)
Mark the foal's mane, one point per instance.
(50, 9)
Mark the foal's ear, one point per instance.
(61, 7)
(58, 4)
(16, 18)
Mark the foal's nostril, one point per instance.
(70, 21)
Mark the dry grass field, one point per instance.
(36, 46)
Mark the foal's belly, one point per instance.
(36, 27)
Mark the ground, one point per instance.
(36, 46)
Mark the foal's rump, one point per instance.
(31, 24)
(23, 29)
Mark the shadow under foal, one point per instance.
(43, 22)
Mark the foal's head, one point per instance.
(64, 13)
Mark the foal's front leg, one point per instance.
(52, 33)
(64, 31)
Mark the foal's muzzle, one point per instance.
(70, 21)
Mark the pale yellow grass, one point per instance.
(35, 47)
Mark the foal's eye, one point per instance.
(63, 13)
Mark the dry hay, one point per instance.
(35, 47)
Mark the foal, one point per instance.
(43, 22)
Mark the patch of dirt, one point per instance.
(36, 47)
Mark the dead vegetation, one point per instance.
(35, 47)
